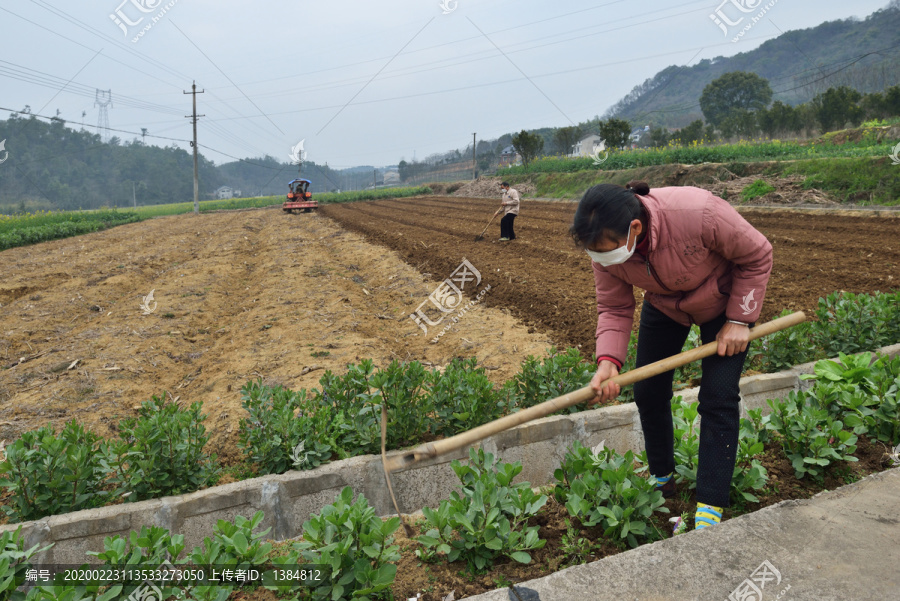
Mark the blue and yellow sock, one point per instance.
(707, 515)
(662, 480)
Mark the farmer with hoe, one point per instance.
(700, 263)
(509, 203)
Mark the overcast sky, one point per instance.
(361, 82)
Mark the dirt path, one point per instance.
(545, 281)
(239, 295)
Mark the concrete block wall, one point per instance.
(289, 499)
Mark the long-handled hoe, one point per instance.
(480, 236)
(405, 459)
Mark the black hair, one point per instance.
(607, 210)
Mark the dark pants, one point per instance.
(506, 226)
(660, 337)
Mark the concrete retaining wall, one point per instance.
(289, 499)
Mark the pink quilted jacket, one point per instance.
(703, 259)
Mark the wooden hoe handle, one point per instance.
(488, 225)
(441, 447)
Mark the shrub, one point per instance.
(487, 520)
(285, 430)
(354, 546)
(50, 474)
(886, 375)
(627, 392)
(686, 375)
(161, 452)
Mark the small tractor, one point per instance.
(299, 197)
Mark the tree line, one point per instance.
(51, 166)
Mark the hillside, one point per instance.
(800, 64)
(51, 166)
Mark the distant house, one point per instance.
(225, 192)
(391, 178)
(637, 134)
(509, 156)
(588, 145)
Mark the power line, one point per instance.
(97, 33)
(225, 75)
(80, 44)
(431, 66)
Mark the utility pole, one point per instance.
(194, 116)
(375, 179)
(474, 164)
(133, 195)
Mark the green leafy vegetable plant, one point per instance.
(555, 375)
(14, 563)
(749, 474)
(49, 474)
(811, 439)
(161, 452)
(285, 429)
(613, 495)
(354, 546)
(487, 519)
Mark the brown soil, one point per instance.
(241, 295)
(546, 282)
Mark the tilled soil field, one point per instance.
(545, 281)
(238, 295)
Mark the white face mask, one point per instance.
(614, 257)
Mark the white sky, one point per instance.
(488, 66)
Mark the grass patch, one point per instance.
(742, 152)
(756, 189)
(862, 180)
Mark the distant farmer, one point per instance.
(509, 204)
(700, 263)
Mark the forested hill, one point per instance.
(862, 54)
(54, 167)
